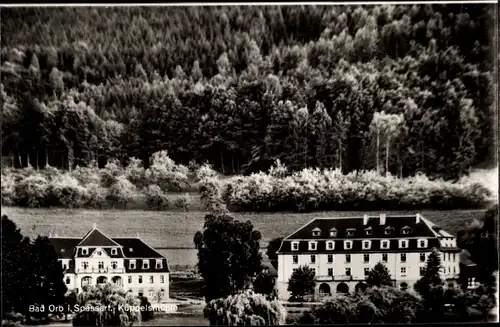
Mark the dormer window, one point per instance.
(366, 245)
(313, 246)
(333, 232)
(403, 244)
(85, 251)
(350, 231)
(388, 230)
(114, 251)
(159, 264)
(406, 230)
(145, 264)
(98, 253)
(369, 231)
(295, 246)
(384, 244)
(316, 232)
(330, 245)
(348, 245)
(132, 264)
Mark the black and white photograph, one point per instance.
(249, 164)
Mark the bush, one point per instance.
(67, 192)
(183, 202)
(135, 172)
(122, 191)
(166, 173)
(96, 196)
(87, 175)
(155, 197)
(8, 189)
(32, 191)
(110, 173)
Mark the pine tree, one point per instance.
(379, 276)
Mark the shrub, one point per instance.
(65, 191)
(8, 188)
(183, 202)
(155, 197)
(110, 173)
(32, 191)
(135, 172)
(245, 308)
(96, 196)
(122, 191)
(166, 173)
(87, 175)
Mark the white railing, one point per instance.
(100, 270)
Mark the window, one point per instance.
(422, 271)
(130, 279)
(329, 245)
(348, 271)
(295, 259)
(162, 279)
(367, 272)
(313, 258)
(85, 264)
(85, 251)
(406, 230)
(385, 245)
(114, 252)
(403, 271)
(384, 257)
(114, 264)
(313, 270)
(294, 269)
(330, 258)
(151, 279)
(100, 265)
(347, 258)
(422, 257)
(449, 270)
(140, 279)
(366, 245)
(403, 257)
(159, 264)
(454, 270)
(330, 271)
(454, 258)
(68, 280)
(145, 264)
(130, 249)
(132, 264)
(350, 231)
(347, 245)
(366, 258)
(98, 253)
(403, 244)
(316, 232)
(403, 286)
(369, 231)
(421, 244)
(151, 294)
(295, 246)
(388, 230)
(333, 232)
(312, 246)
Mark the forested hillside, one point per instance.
(406, 88)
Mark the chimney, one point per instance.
(94, 226)
(417, 218)
(365, 220)
(382, 219)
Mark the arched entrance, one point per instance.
(403, 286)
(117, 280)
(342, 288)
(102, 280)
(86, 281)
(324, 289)
(361, 287)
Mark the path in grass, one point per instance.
(172, 232)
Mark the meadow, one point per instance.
(172, 232)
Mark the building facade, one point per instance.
(342, 251)
(128, 262)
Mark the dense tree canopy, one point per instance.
(243, 86)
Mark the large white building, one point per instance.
(128, 262)
(342, 251)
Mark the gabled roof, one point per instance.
(96, 238)
(136, 248)
(64, 246)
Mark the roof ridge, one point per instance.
(95, 229)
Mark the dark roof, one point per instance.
(465, 258)
(96, 238)
(420, 229)
(64, 246)
(136, 248)
(151, 267)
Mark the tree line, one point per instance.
(397, 89)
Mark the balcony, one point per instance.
(343, 277)
(100, 271)
(324, 278)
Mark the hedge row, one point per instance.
(315, 189)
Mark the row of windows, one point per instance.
(151, 279)
(85, 251)
(114, 265)
(367, 271)
(366, 245)
(366, 258)
(389, 230)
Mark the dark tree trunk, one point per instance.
(222, 163)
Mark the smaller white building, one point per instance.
(128, 262)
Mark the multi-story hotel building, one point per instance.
(128, 262)
(342, 251)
